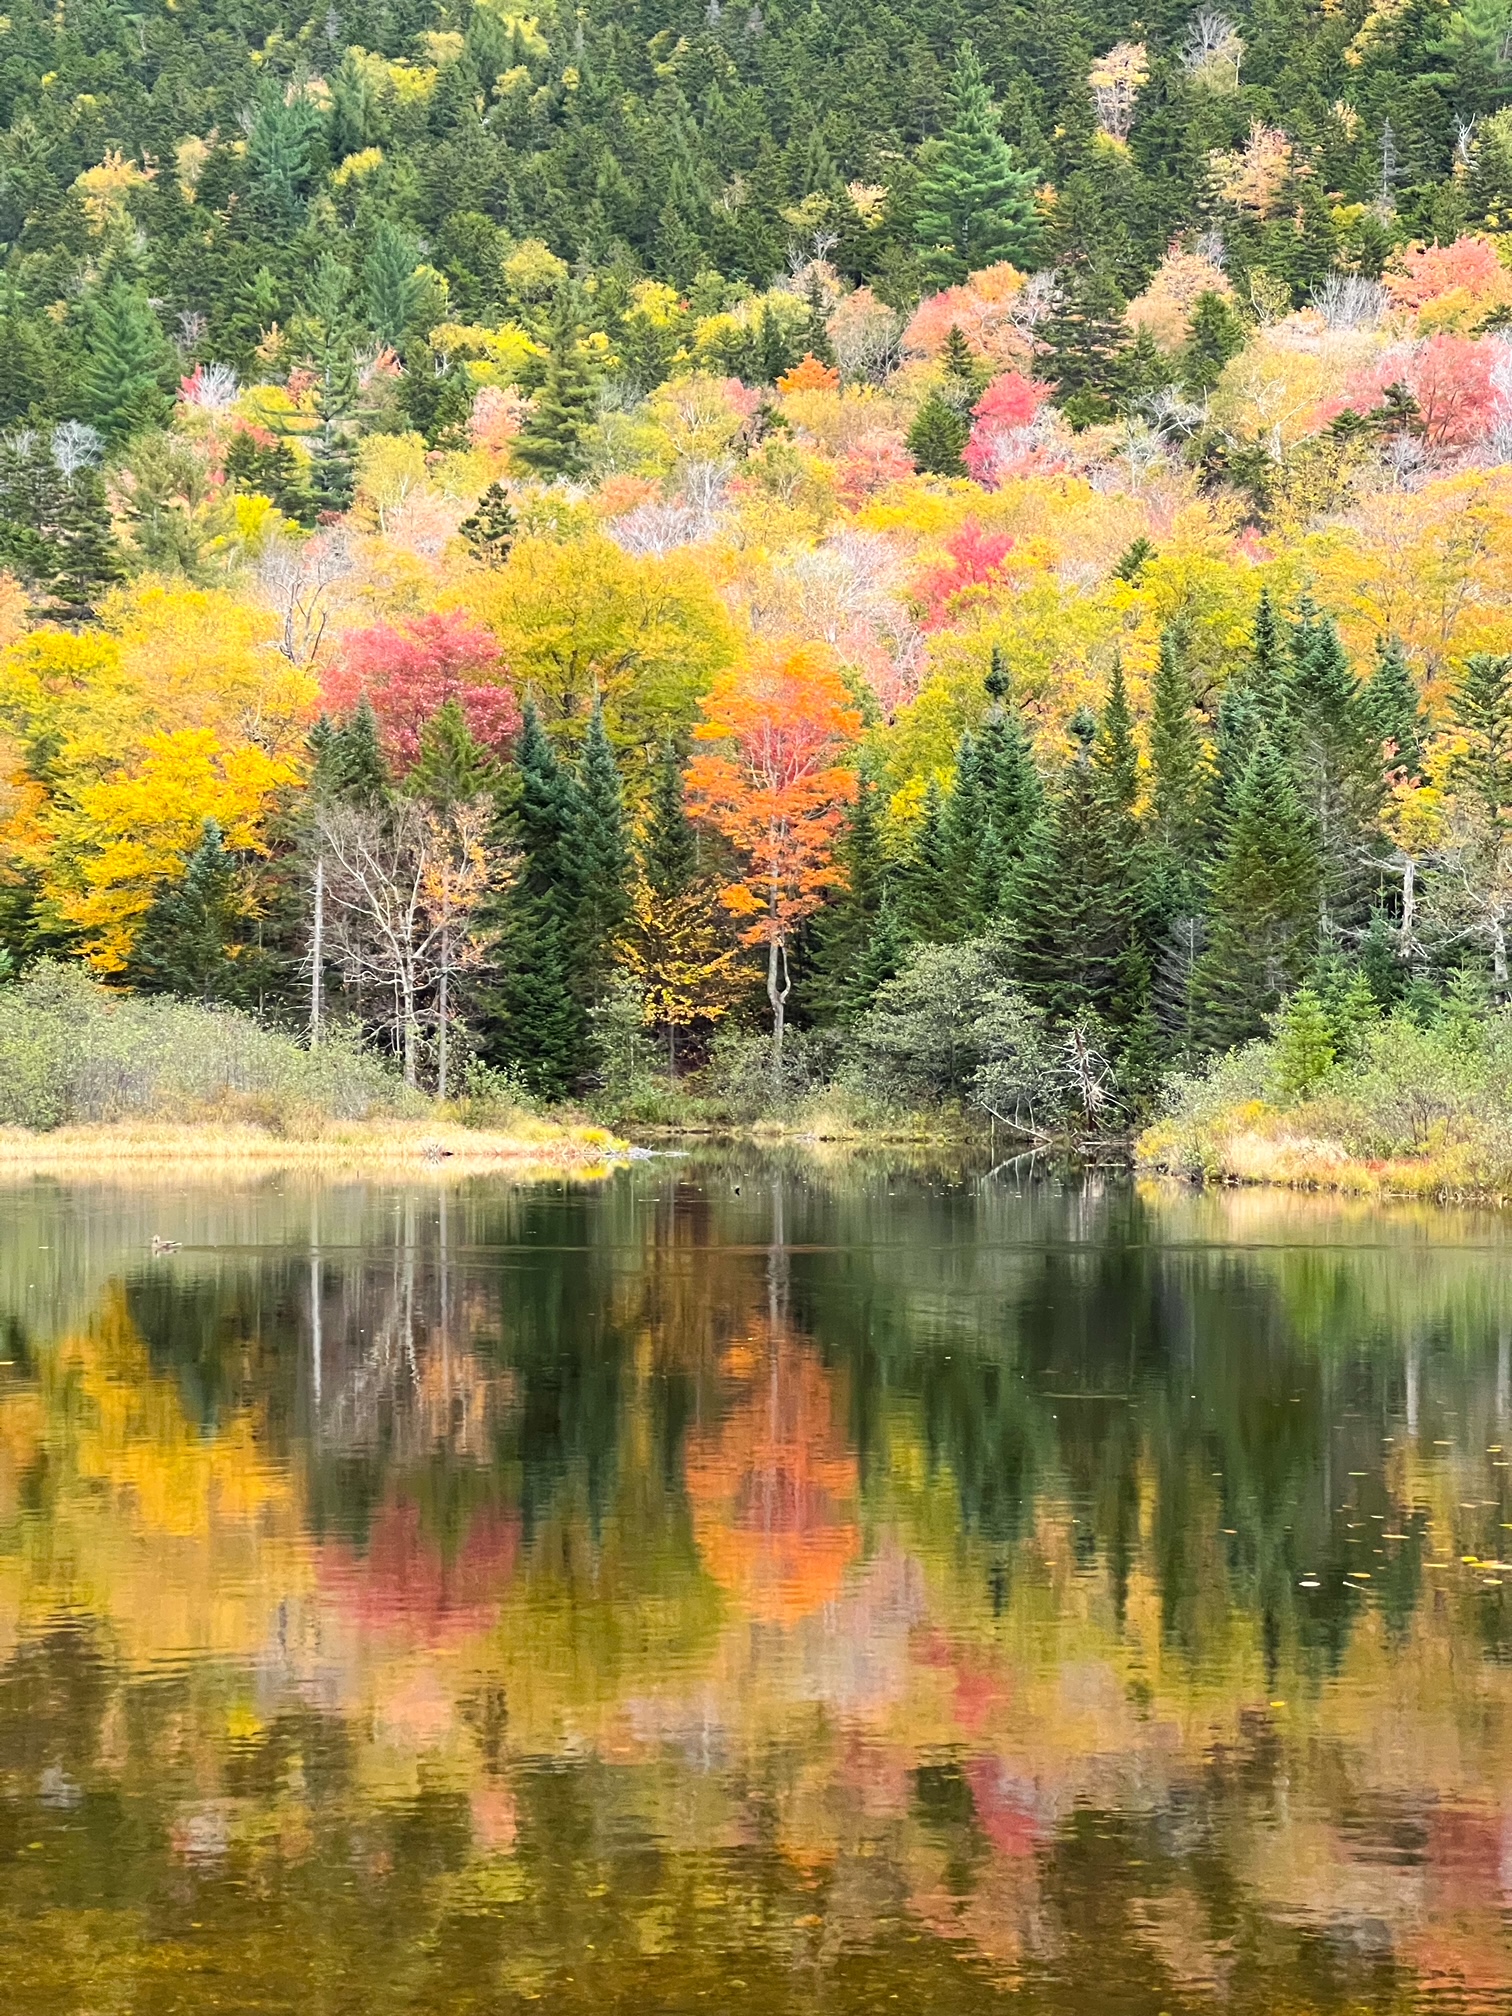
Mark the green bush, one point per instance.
(71, 1051)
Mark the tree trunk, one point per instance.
(1407, 942)
(777, 995)
(407, 986)
(317, 954)
(442, 1042)
(1499, 955)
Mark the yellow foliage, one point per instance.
(106, 191)
(356, 166)
(533, 270)
(577, 616)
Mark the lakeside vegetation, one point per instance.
(951, 610)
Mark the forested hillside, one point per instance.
(961, 554)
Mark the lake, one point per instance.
(752, 1582)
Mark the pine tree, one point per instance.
(551, 441)
(975, 204)
(128, 363)
(1394, 709)
(349, 765)
(599, 859)
(964, 375)
(937, 437)
(1012, 795)
(489, 529)
(1115, 757)
(452, 766)
(326, 314)
(1304, 1053)
(189, 936)
(962, 818)
(1262, 906)
(816, 336)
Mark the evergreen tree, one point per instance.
(1337, 767)
(1179, 778)
(327, 318)
(1074, 910)
(489, 529)
(539, 1025)
(128, 363)
(1262, 905)
(925, 893)
(55, 531)
(349, 765)
(669, 852)
(857, 933)
(551, 441)
(189, 937)
(962, 820)
(1394, 709)
(1268, 674)
(938, 435)
(975, 204)
(1081, 347)
(599, 858)
(816, 336)
(1012, 795)
(964, 376)
(391, 288)
(1304, 1046)
(452, 766)
(1214, 335)
(1482, 706)
(1115, 757)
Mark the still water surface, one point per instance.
(752, 1585)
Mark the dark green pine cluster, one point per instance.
(1171, 905)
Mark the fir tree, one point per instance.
(849, 942)
(1215, 334)
(188, 937)
(539, 1025)
(962, 817)
(816, 336)
(975, 204)
(1482, 707)
(937, 437)
(599, 858)
(1012, 795)
(349, 765)
(390, 287)
(1081, 346)
(1337, 768)
(326, 314)
(924, 892)
(1304, 1053)
(964, 375)
(1179, 778)
(1394, 709)
(551, 441)
(669, 851)
(452, 766)
(1074, 911)
(1262, 906)
(127, 364)
(1268, 673)
(1115, 757)
(489, 529)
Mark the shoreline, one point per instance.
(418, 1147)
(1453, 1174)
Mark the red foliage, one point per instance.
(875, 461)
(1001, 440)
(1448, 376)
(976, 561)
(402, 1585)
(408, 673)
(1424, 272)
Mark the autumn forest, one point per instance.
(713, 558)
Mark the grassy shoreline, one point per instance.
(1262, 1150)
(388, 1145)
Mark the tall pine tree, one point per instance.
(975, 204)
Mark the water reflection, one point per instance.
(752, 1585)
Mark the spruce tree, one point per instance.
(489, 529)
(963, 369)
(1074, 910)
(551, 441)
(857, 932)
(1012, 794)
(452, 766)
(1262, 906)
(349, 765)
(975, 204)
(188, 937)
(599, 859)
(390, 288)
(1337, 767)
(1482, 709)
(539, 1025)
(1115, 756)
(128, 364)
(925, 894)
(816, 336)
(1267, 676)
(937, 437)
(1179, 778)
(1214, 335)
(1394, 709)
(669, 852)
(962, 819)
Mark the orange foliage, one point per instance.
(773, 784)
(810, 376)
(772, 1489)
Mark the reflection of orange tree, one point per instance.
(773, 1488)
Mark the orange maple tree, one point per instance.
(774, 784)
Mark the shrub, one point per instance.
(71, 1051)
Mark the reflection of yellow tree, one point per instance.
(773, 1488)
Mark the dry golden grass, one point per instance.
(529, 1146)
(1256, 1145)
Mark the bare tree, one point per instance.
(1213, 51)
(402, 891)
(301, 580)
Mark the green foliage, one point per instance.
(193, 939)
(551, 441)
(1303, 1051)
(71, 1052)
(490, 527)
(452, 766)
(937, 436)
(975, 205)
